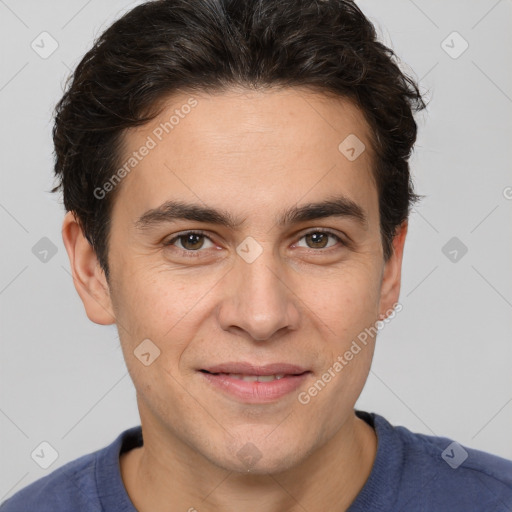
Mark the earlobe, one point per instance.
(88, 277)
(391, 279)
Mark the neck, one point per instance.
(328, 479)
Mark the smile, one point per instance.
(254, 388)
(253, 378)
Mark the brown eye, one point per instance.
(193, 241)
(320, 239)
(317, 240)
(189, 242)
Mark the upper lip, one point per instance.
(243, 368)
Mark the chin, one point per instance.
(267, 464)
(250, 456)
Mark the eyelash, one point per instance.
(195, 254)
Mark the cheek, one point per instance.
(346, 300)
(349, 308)
(151, 301)
(164, 307)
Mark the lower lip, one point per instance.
(256, 392)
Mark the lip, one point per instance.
(245, 368)
(255, 392)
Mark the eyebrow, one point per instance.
(171, 211)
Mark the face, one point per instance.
(248, 273)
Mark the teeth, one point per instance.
(254, 378)
(267, 378)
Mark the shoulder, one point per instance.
(448, 474)
(89, 483)
(72, 484)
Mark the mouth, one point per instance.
(251, 378)
(249, 383)
(251, 369)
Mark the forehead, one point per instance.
(246, 150)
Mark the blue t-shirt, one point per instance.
(411, 473)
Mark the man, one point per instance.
(237, 185)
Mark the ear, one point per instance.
(88, 277)
(392, 273)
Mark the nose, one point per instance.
(257, 300)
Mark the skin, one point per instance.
(254, 154)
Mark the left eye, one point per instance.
(319, 239)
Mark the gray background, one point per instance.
(442, 367)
